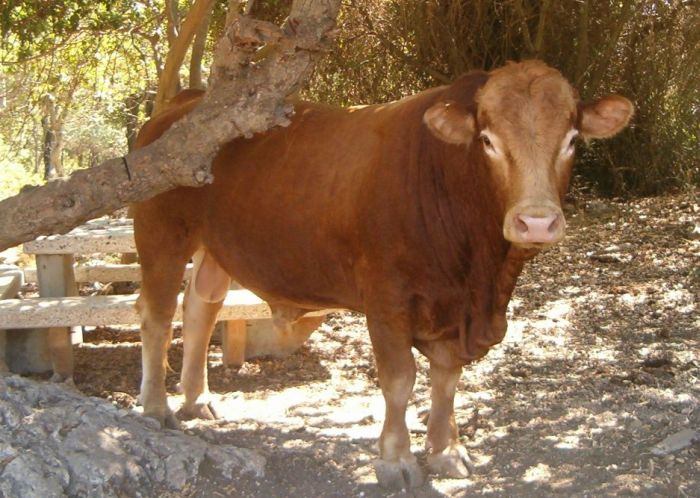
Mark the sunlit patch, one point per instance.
(516, 328)
(450, 487)
(553, 316)
(631, 300)
(499, 434)
(297, 444)
(570, 442)
(605, 355)
(538, 473)
(606, 419)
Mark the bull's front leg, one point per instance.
(396, 467)
(446, 457)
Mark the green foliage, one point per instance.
(14, 175)
(86, 58)
(33, 27)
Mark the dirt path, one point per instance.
(601, 363)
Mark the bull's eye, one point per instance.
(488, 144)
(569, 144)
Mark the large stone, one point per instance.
(56, 442)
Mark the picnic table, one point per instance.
(42, 330)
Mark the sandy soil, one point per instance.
(601, 362)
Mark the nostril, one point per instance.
(521, 224)
(554, 225)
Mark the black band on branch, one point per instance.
(126, 167)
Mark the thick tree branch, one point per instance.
(244, 98)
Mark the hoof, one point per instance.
(166, 420)
(403, 474)
(59, 378)
(204, 411)
(452, 462)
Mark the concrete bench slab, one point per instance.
(96, 236)
(111, 310)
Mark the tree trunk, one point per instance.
(172, 16)
(243, 98)
(52, 147)
(198, 47)
(582, 45)
(541, 26)
(169, 81)
(57, 150)
(131, 109)
(47, 149)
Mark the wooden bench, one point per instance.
(42, 337)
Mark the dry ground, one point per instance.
(601, 362)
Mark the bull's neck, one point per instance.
(462, 209)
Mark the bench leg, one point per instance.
(233, 341)
(3, 354)
(56, 279)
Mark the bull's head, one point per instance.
(523, 124)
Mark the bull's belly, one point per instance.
(285, 272)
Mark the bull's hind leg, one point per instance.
(396, 467)
(446, 456)
(163, 252)
(203, 299)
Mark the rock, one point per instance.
(675, 442)
(55, 442)
(228, 459)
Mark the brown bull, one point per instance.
(419, 213)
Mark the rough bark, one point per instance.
(243, 98)
(47, 150)
(52, 149)
(131, 110)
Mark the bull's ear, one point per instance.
(605, 117)
(449, 123)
